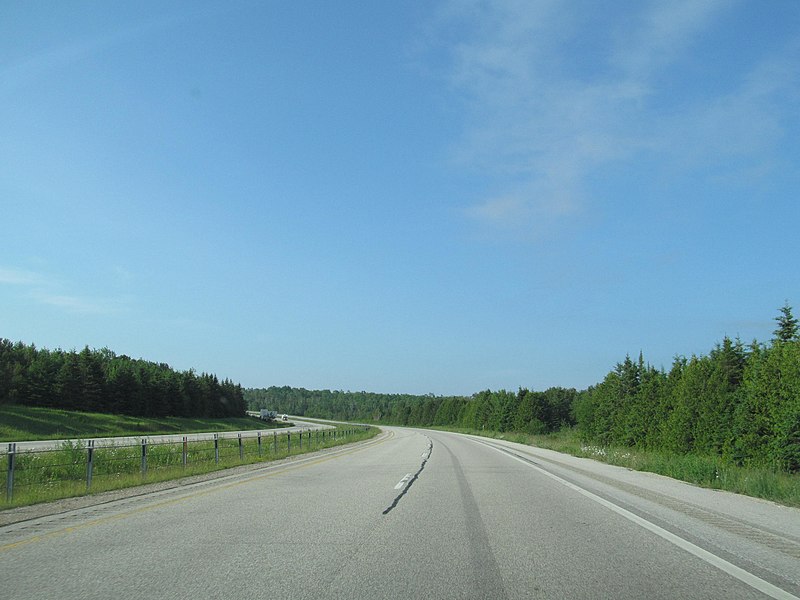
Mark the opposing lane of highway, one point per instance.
(414, 514)
(168, 438)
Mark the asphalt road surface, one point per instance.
(414, 514)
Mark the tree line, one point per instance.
(101, 381)
(740, 401)
(525, 410)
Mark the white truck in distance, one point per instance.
(268, 415)
(271, 415)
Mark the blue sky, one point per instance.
(420, 197)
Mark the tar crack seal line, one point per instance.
(425, 457)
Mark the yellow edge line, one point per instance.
(123, 515)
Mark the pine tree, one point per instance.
(69, 383)
(787, 325)
(92, 380)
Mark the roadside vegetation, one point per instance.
(709, 471)
(102, 381)
(77, 396)
(728, 419)
(72, 470)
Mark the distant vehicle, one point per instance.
(268, 415)
(285, 418)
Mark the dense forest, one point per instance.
(101, 381)
(534, 412)
(741, 402)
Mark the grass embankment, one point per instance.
(706, 471)
(21, 423)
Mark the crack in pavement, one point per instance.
(425, 457)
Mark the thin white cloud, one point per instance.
(746, 122)
(79, 305)
(45, 291)
(662, 32)
(31, 68)
(539, 130)
(10, 276)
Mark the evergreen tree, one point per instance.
(7, 362)
(69, 383)
(787, 325)
(92, 381)
(528, 417)
(41, 376)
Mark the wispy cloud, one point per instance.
(46, 291)
(745, 122)
(19, 277)
(30, 68)
(662, 32)
(80, 305)
(541, 121)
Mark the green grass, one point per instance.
(52, 475)
(21, 423)
(706, 471)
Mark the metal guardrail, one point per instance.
(83, 461)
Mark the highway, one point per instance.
(169, 438)
(414, 514)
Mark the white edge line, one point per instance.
(744, 576)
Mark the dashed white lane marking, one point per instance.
(403, 481)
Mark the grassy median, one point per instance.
(75, 470)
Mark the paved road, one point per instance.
(414, 514)
(43, 445)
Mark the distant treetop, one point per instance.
(787, 325)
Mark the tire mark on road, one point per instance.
(487, 581)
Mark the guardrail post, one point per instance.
(301, 439)
(241, 448)
(259, 443)
(216, 448)
(144, 457)
(89, 464)
(12, 456)
(288, 443)
(275, 441)
(185, 457)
